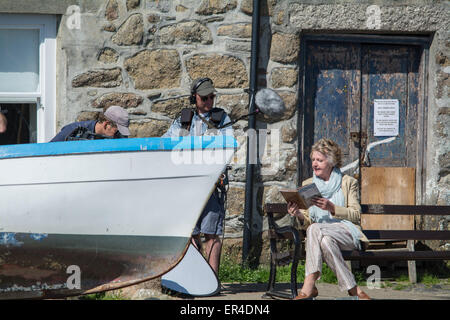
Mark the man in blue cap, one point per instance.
(113, 120)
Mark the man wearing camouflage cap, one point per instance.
(204, 119)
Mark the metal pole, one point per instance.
(251, 138)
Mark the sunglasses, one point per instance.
(211, 96)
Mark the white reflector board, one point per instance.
(192, 276)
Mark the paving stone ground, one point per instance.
(255, 291)
(332, 292)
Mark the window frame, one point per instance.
(45, 96)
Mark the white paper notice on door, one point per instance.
(385, 117)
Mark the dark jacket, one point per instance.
(68, 129)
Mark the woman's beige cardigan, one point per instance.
(352, 209)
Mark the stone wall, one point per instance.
(143, 55)
(438, 144)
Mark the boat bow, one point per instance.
(87, 216)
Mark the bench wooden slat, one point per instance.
(280, 235)
(407, 235)
(384, 235)
(397, 255)
(405, 209)
(379, 209)
(276, 208)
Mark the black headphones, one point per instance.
(192, 99)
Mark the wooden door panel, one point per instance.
(388, 185)
(341, 81)
(387, 73)
(332, 97)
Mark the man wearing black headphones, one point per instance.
(204, 120)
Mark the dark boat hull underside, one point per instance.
(56, 265)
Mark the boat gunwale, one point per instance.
(108, 146)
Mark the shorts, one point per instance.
(212, 217)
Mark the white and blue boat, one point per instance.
(111, 212)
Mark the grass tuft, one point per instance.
(231, 272)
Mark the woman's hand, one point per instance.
(294, 210)
(324, 204)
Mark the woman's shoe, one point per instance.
(361, 296)
(302, 296)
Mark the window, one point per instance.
(28, 77)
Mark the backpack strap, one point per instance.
(186, 118)
(217, 115)
(83, 133)
(187, 114)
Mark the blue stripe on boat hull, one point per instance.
(117, 145)
(34, 266)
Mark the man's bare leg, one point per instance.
(213, 250)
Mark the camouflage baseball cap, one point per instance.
(203, 86)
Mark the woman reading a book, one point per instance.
(332, 221)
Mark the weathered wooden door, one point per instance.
(342, 81)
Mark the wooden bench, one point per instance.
(297, 236)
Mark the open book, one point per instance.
(302, 196)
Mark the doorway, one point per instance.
(22, 124)
(344, 80)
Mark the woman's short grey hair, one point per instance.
(331, 151)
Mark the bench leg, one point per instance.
(412, 264)
(295, 259)
(273, 267)
(273, 272)
(270, 293)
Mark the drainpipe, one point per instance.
(251, 138)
